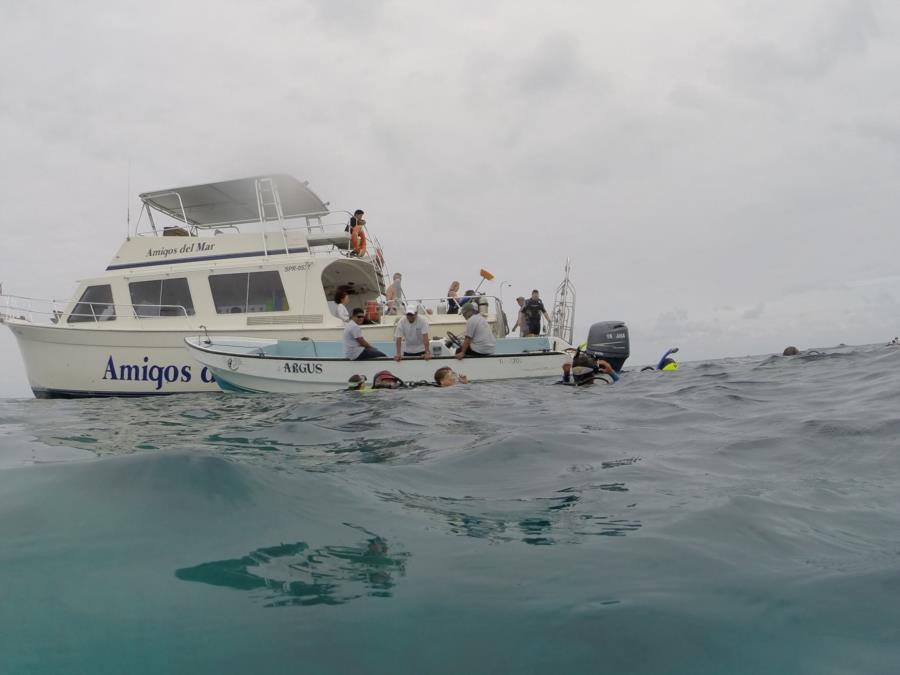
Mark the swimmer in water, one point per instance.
(666, 362)
(358, 383)
(447, 377)
(585, 369)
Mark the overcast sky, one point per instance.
(723, 173)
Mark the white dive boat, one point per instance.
(255, 257)
(294, 366)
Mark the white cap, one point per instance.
(412, 308)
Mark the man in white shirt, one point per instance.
(412, 334)
(479, 340)
(356, 347)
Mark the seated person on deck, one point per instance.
(356, 347)
(479, 339)
(338, 306)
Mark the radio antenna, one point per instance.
(128, 205)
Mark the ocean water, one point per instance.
(736, 516)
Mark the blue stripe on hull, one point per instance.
(200, 258)
(75, 393)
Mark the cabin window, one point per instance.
(96, 304)
(161, 297)
(248, 292)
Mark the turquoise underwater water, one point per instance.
(736, 516)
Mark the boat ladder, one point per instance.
(268, 201)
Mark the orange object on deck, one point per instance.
(372, 310)
(358, 241)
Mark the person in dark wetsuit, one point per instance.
(585, 369)
(532, 311)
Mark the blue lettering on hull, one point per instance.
(150, 372)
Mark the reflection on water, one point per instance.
(295, 574)
(318, 433)
(541, 521)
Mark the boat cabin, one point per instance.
(233, 256)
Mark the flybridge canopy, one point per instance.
(233, 202)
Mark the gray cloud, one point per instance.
(840, 29)
(754, 312)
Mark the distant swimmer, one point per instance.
(790, 351)
(666, 362)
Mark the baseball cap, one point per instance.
(412, 308)
(469, 307)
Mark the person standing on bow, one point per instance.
(394, 294)
(479, 339)
(411, 335)
(356, 220)
(357, 234)
(453, 298)
(520, 318)
(531, 312)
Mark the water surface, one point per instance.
(736, 516)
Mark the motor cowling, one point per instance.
(608, 340)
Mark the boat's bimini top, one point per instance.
(233, 202)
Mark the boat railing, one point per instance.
(489, 306)
(307, 222)
(325, 232)
(50, 311)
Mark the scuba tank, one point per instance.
(437, 347)
(483, 305)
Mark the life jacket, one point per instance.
(358, 240)
(385, 379)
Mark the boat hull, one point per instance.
(235, 369)
(63, 362)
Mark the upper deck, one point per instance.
(261, 216)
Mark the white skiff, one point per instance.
(295, 366)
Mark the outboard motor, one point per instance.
(608, 340)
